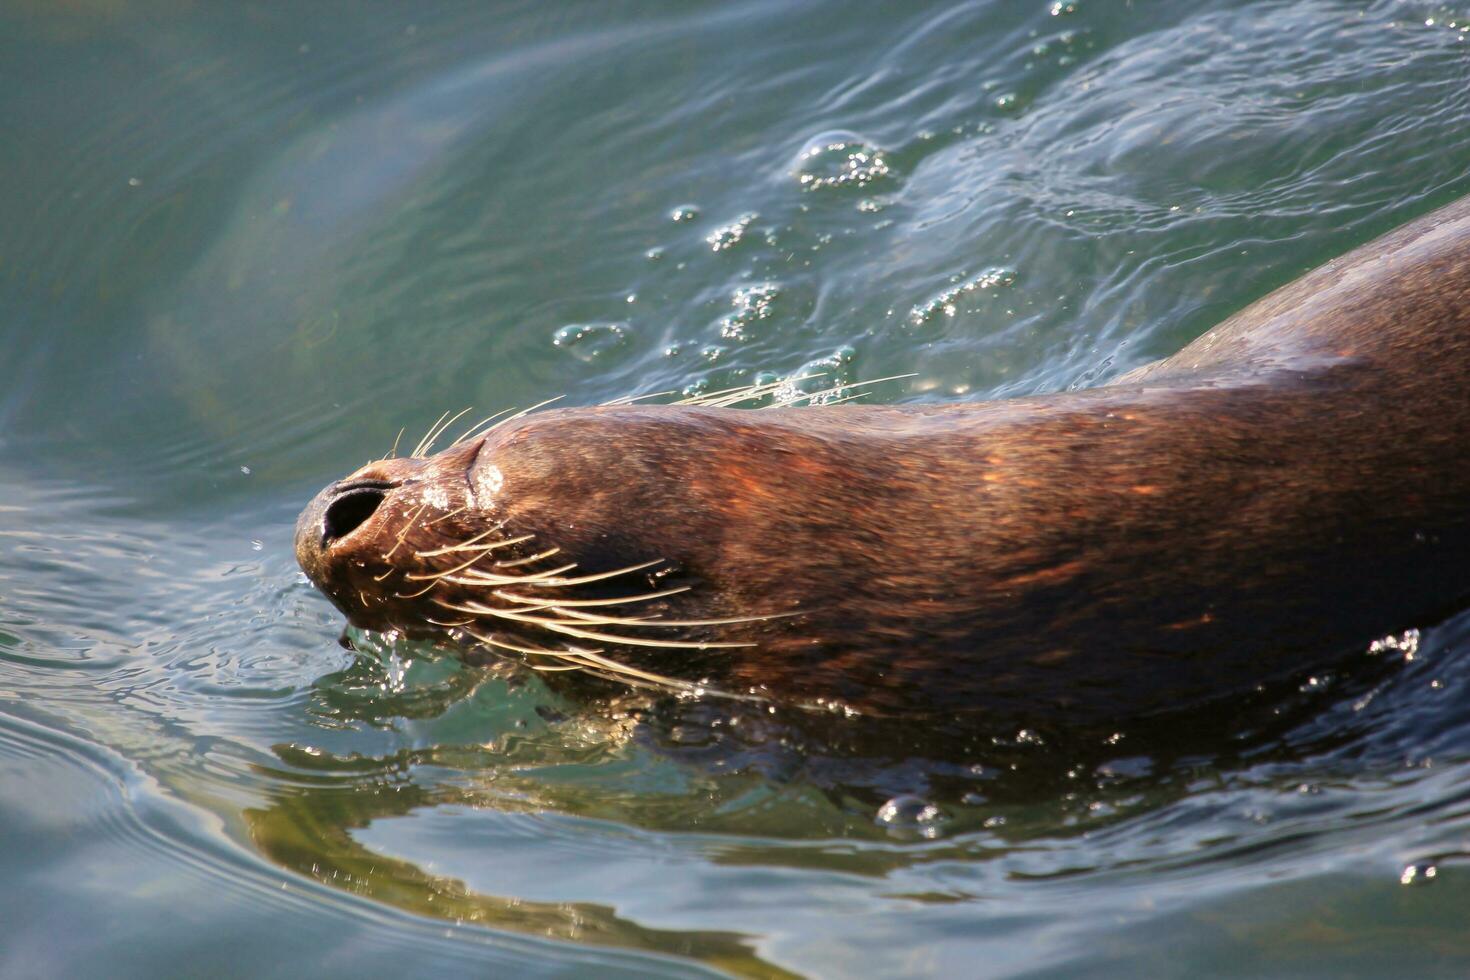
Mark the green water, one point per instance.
(242, 245)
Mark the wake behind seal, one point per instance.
(1284, 490)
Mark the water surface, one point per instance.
(243, 245)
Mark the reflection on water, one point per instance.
(544, 803)
(241, 246)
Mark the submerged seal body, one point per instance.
(1287, 488)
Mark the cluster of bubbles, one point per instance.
(946, 303)
(589, 341)
(751, 303)
(729, 235)
(1065, 46)
(1404, 644)
(840, 162)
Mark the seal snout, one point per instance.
(349, 505)
(333, 517)
(348, 536)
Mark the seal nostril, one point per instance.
(353, 505)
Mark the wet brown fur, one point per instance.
(1283, 490)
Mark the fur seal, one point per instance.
(1285, 489)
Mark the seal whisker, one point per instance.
(420, 592)
(623, 673)
(448, 626)
(478, 576)
(524, 412)
(479, 428)
(559, 626)
(480, 609)
(733, 396)
(848, 398)
(477, 579)
(615, 678)
(470, 544)
(569, 628)
(458, 510)
(529, 560)
(581, 617)
(418, 450)
(634, 399)
(754, 392)
(480, 549)
(807, 396)
(581, 656)
(534, 651)
(407, 526)
(449, 571)
(496, 646)
(527, 604)
(393, 450)
(557, 583)
(645, 597)
(592, 619)
(655, 621)
(445, 427)
(474, 608)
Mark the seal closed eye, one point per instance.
(1285, 489)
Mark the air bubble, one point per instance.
(728, 236)
(910, 817)
(589, 341)
(751, 303)
(840, 160)
(946, 303)
(1406, 644)
(1418, 874)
